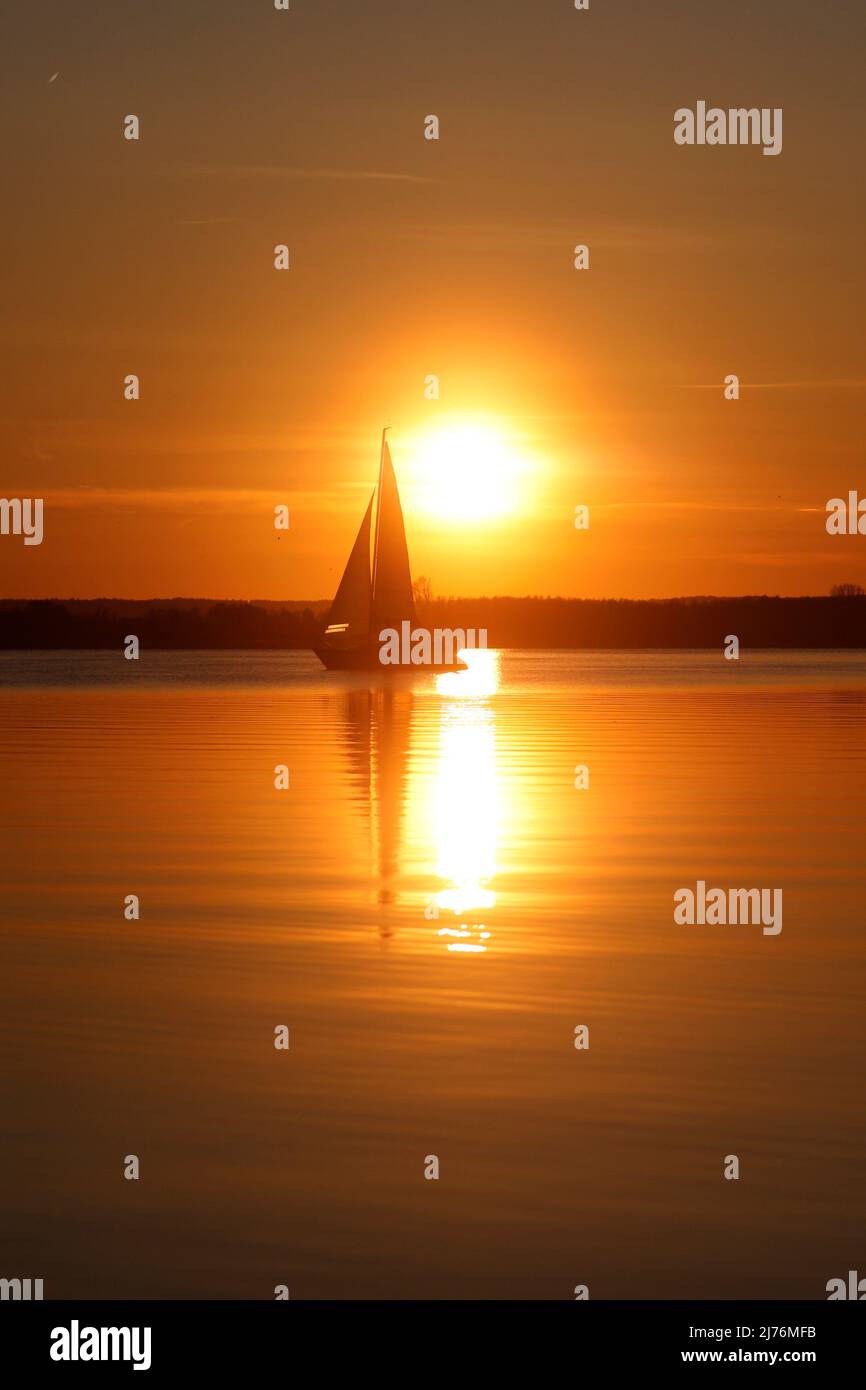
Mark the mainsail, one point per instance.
(392, 581)
(350, 611)
(365, 605)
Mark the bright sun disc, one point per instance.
(467, 473)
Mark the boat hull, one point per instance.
(367, 659)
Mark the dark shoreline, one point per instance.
(527, 623)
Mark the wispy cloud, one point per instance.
(700, 504)
(524, 230)
(104, 435)
(283, 171)
(840, 384)
(181, 499)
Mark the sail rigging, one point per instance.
(392, 601)
(350, 611)
(366, 604)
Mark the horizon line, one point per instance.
(435, 598)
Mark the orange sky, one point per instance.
(411, 257)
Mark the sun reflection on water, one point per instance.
(467, 800)
(479, 680)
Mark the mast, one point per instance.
(392, 581)
(379, 505)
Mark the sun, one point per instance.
(467, 472)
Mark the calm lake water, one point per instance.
(431, 908)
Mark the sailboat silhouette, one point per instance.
(365, 604)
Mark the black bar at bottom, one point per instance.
(417, 1340)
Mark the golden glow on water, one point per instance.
(468, 797)
(414, 1033)
(463, 899)
(478, 681)
(463, 943)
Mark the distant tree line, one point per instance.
(53, 623)
(535, 622)
(760, 621)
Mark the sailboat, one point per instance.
(365, 603)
